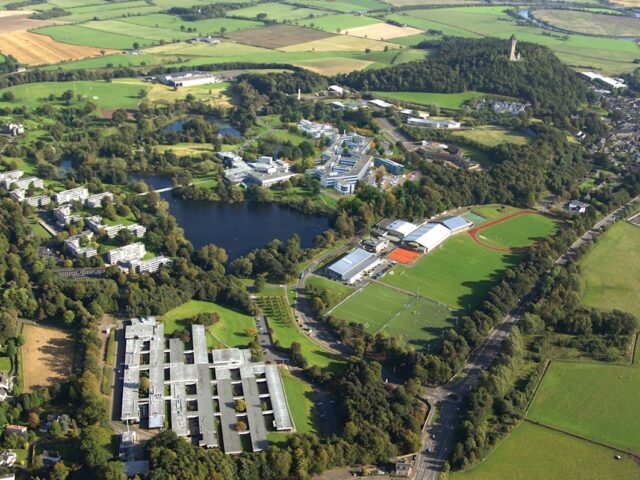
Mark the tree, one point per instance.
(114, 471)
(241, 405)
(251, 332)
(59, 472)
(242, 426)
(34, 420)
(119, 116)
(259, 283)
(8, 96)
(67, 96)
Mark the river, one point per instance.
(237, 227)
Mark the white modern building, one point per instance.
(427, 237)
(23, 183)
(128, 253)
(353, 266)
(95, 201)
(380, 103)
(189, 79)
(10, 176)
(316, 130)
(64, 215)
(400, 229)
(75, 247)
(437, 124)
(151, 265)
(79, 194)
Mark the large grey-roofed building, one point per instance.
(427, 236)
(197, 380)
(401, 228)
(456, 224)
(354, 265)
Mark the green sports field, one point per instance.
(381, 309)
(445, 100)
(518, 232)
(229, 331)
(595, 401)
(492, 135)
(459, 273)
(532, 452)
(611, 270)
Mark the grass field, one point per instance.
(339, 44)
(275, 11)
(47, 356)
(79, 35)
(208, 26)
(337, 291)
(531, 452)
(590, 22)
(611, 270)
(417, 321)
(518, 232)
(595, 401)
(347, 5)
(492, 136)
(277, 36)
(333, 65)
(300, 402)
(445, 100)
(285, 332)
(103, 94)
(460, 273)
(229, 331)
(339, 23)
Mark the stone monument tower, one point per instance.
(513, 55)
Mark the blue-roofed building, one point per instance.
(456, 224)
(353, 266)
(394, 168)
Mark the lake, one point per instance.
(224, 128)
(239, 228)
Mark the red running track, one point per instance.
(474, 232)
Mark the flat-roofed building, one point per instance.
(427, 237)
(95, 201)
(189, 79)
(456, 224)
(151, 265)
(437, 124)
(133, 251)
(23, 183)
(394, 168)
(10, 176)
(79, 194)
(79, 246)
(400, 229)
(353, 266)
(186, 381)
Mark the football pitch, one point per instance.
(417, 321)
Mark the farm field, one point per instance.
(32, 49)
(610, 271)
(492, 136)
(107, 95)
(225, 49)
(89, 37)
(595, 401)
(383, 31)
(47, 356)
(338, 23)
(16, 20)
(590, 22)
(277, 36)
(381, 309)
(607, 55)
(333, 65)
(532, 452)
(338, 44)
(208, 26)
(275, 11)
(144, 32)
(451, 101)
(228, 332)
(347, 5)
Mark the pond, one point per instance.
(239, 228)
(224, 128)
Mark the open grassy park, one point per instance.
(417, 321)
(594, 401)
(533, 452)
(491, 135)
(230, 331)
(610, 271)
(451, 101)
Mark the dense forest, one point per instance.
(459, 64)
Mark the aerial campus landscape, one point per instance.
(284, 240)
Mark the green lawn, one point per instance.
(444, 100)
(337, 291)
(103, 94)
(5, 363)
(285, 332)
(381, 309)
(300, 401)
(229, 331)
(596, 401)
(492, 136)
(519, 232)
(531, 452)
(174, 23)
(611, 270)
(459, 273)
